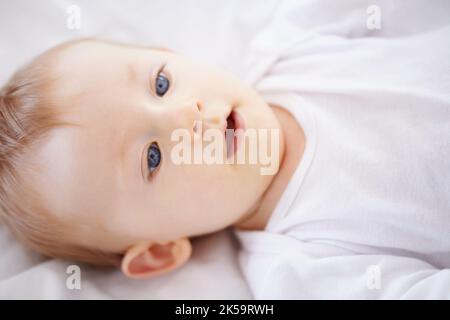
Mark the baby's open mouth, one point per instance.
(234, 123)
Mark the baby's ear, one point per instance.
(150, 259)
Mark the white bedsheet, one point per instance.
(212, 273)
(213, 30)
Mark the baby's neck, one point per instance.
(294, 145)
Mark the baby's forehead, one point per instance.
(91, 51)
(93, 67)
(81, 55)
(95, 97)
(87, 62)
(90, 77)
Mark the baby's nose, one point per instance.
(216, 122)
(187, 115)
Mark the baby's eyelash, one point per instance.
(161, 69)
(162, 82)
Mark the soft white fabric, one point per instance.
(214, 31)
(367, 212)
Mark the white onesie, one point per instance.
(366, 214)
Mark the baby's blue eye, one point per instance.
(153, 157)
(161, 85)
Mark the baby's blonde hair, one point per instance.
(27, 113)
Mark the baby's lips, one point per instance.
(239, 122)
(235, 123)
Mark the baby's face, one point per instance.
(114, 171)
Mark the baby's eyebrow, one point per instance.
(121, 152)
(131, 73)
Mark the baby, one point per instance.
(87, 155)
(353, 201)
